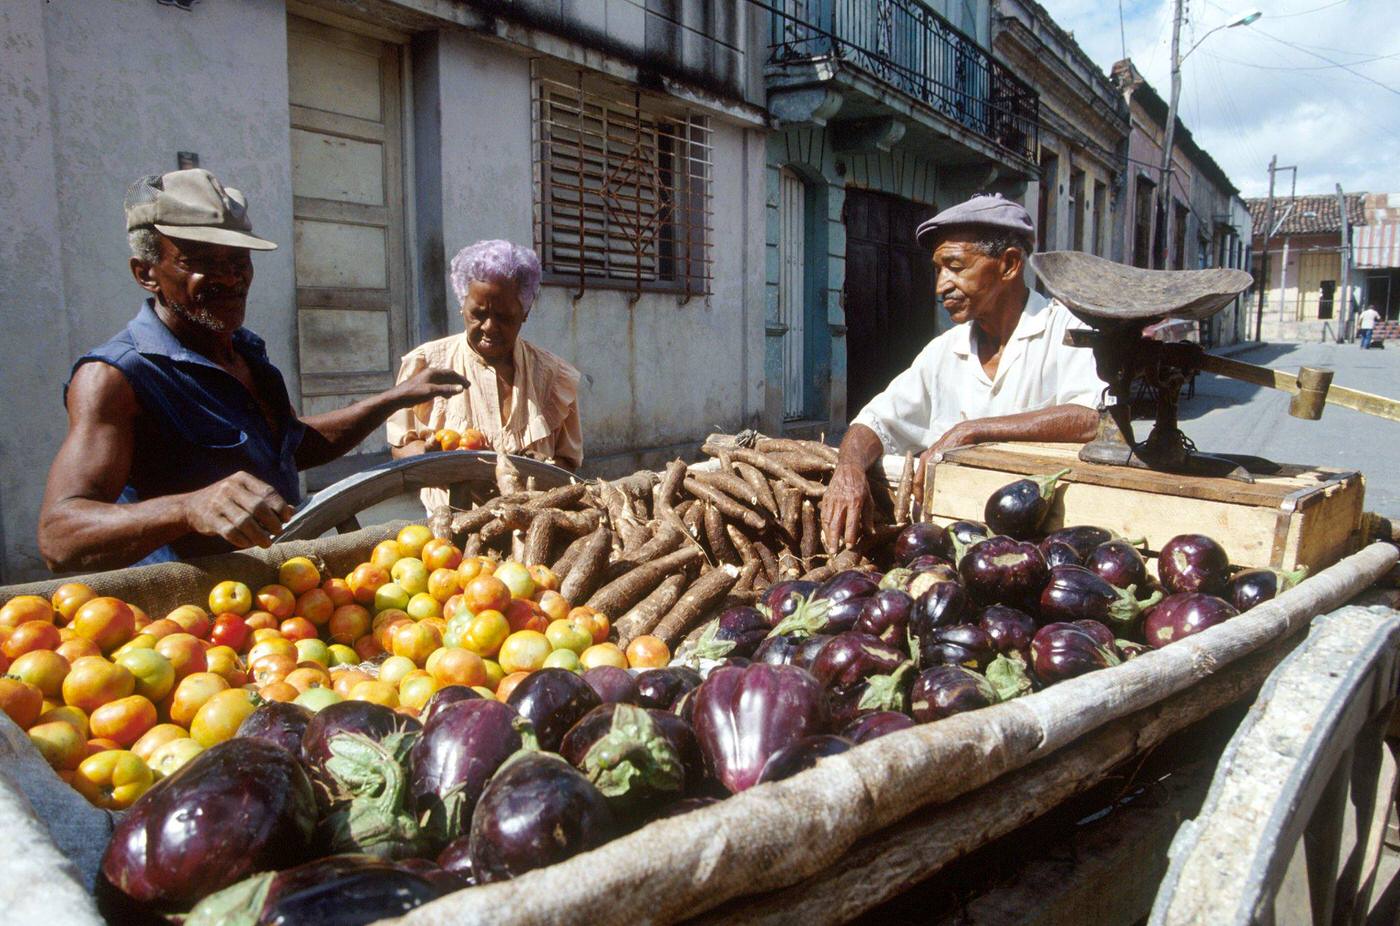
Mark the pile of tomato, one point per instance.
(114, 700)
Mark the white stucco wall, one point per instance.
(656, 373)
(92, 96)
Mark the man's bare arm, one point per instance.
(336, 433)
(81, 527)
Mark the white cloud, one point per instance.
(1246, 95)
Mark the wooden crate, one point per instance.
(1310, 517)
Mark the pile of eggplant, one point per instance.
(357, 813)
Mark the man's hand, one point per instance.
(959, 435)
(847, 508)
(428, 383)
(241, 509)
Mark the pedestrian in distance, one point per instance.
(1367, 325)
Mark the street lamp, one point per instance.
(1164, 194)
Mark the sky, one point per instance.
(1272, 87)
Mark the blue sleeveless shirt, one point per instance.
(198, 424)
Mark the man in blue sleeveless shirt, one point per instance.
(182, 440)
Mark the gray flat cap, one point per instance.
(192, 205)
(988, 209)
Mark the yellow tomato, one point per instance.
(113, 779)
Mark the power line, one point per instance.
(1316, 67)
(1316, 9)
(1366, 77)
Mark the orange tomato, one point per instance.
(317, 605)
(223, 660)
(93, 681)
(157, 737)
(44, 669)
(193, 620)
(298, 628)
(233, 596)
(486, 593)
(411, 538)
(506, 685)
(523, 614)
(386, 553)
(385, 623)
(299, 575)
(278, 645)
(278, 691)
(348, 624)
(454, 606)
(443, 585)
(524, 651)
(338, 590)
(368, 648)
(365, 580)
(218, 718)
(306, 677)
(22, 609)
(59, 743)
(73, 716)
(21, 701)
(440, 553)
(274, 667)
(472, 439)
(257, 620)
(486, 632)
(113, 779)
(69, 597)
(29, 637)
(192, 693)
(416, 641)
(162, 628)
(448, 439)
(603, 654)
(76, 648)
(545, 579)
(168, 759)
(416, 690)
(343, 682)
(454, 665)
(647, 652)
(376, 692)
(154, 673)
(124, 720)
(185, 652)
(555, 606)
(596, 620)
(106, 621)
(276, 600)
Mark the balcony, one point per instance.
(907, 48)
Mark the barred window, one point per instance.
(623, 185)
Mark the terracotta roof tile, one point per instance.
(1311, 215)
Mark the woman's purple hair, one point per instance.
(497, 261)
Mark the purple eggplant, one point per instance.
(945, 690)
(612, 685)
(929, 560)
(1098, 630)
(374, 722)
(1072, 544)
(743, 716)
(921, 540)
(553, 700)
(1256, 586)
(536, 810)
(783, 598)
(963, 534)
(802, 755)
(1184, 614)
(634, 756)
(1131, 649)
(239, 807)
(1019, 508)
(341, 890)
(1011, 629)
(281, 723)
(1193, 563)
(847, 585)
(1074, 593)
(870, 726)
(1062, 651)
(943, 605)
(861, 673)
(452, 694)
(926, 579)
(886, 615)
(833, 607)
(457, 858)
(1001, 570)
(791, 650)
(966, 645)
(662, 688)
(1120, 564)
(461, 747)
(743, 627)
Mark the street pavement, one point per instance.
(1228, 416)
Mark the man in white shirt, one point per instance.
(1003, 373)
(1367, 325)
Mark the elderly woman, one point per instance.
(523, 399)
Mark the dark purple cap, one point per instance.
(986, 209)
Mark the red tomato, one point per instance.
(231, 630)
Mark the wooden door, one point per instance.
(792, 290)
(890, 308)
(1313, 271)
(347, 186)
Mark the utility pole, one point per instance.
(1344, 328)
(1164, 193)
(1263, 280)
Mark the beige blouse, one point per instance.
(543, 421)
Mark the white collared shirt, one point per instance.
(946, 383)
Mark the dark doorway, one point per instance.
(890, 312)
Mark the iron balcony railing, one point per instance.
(908, 46)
